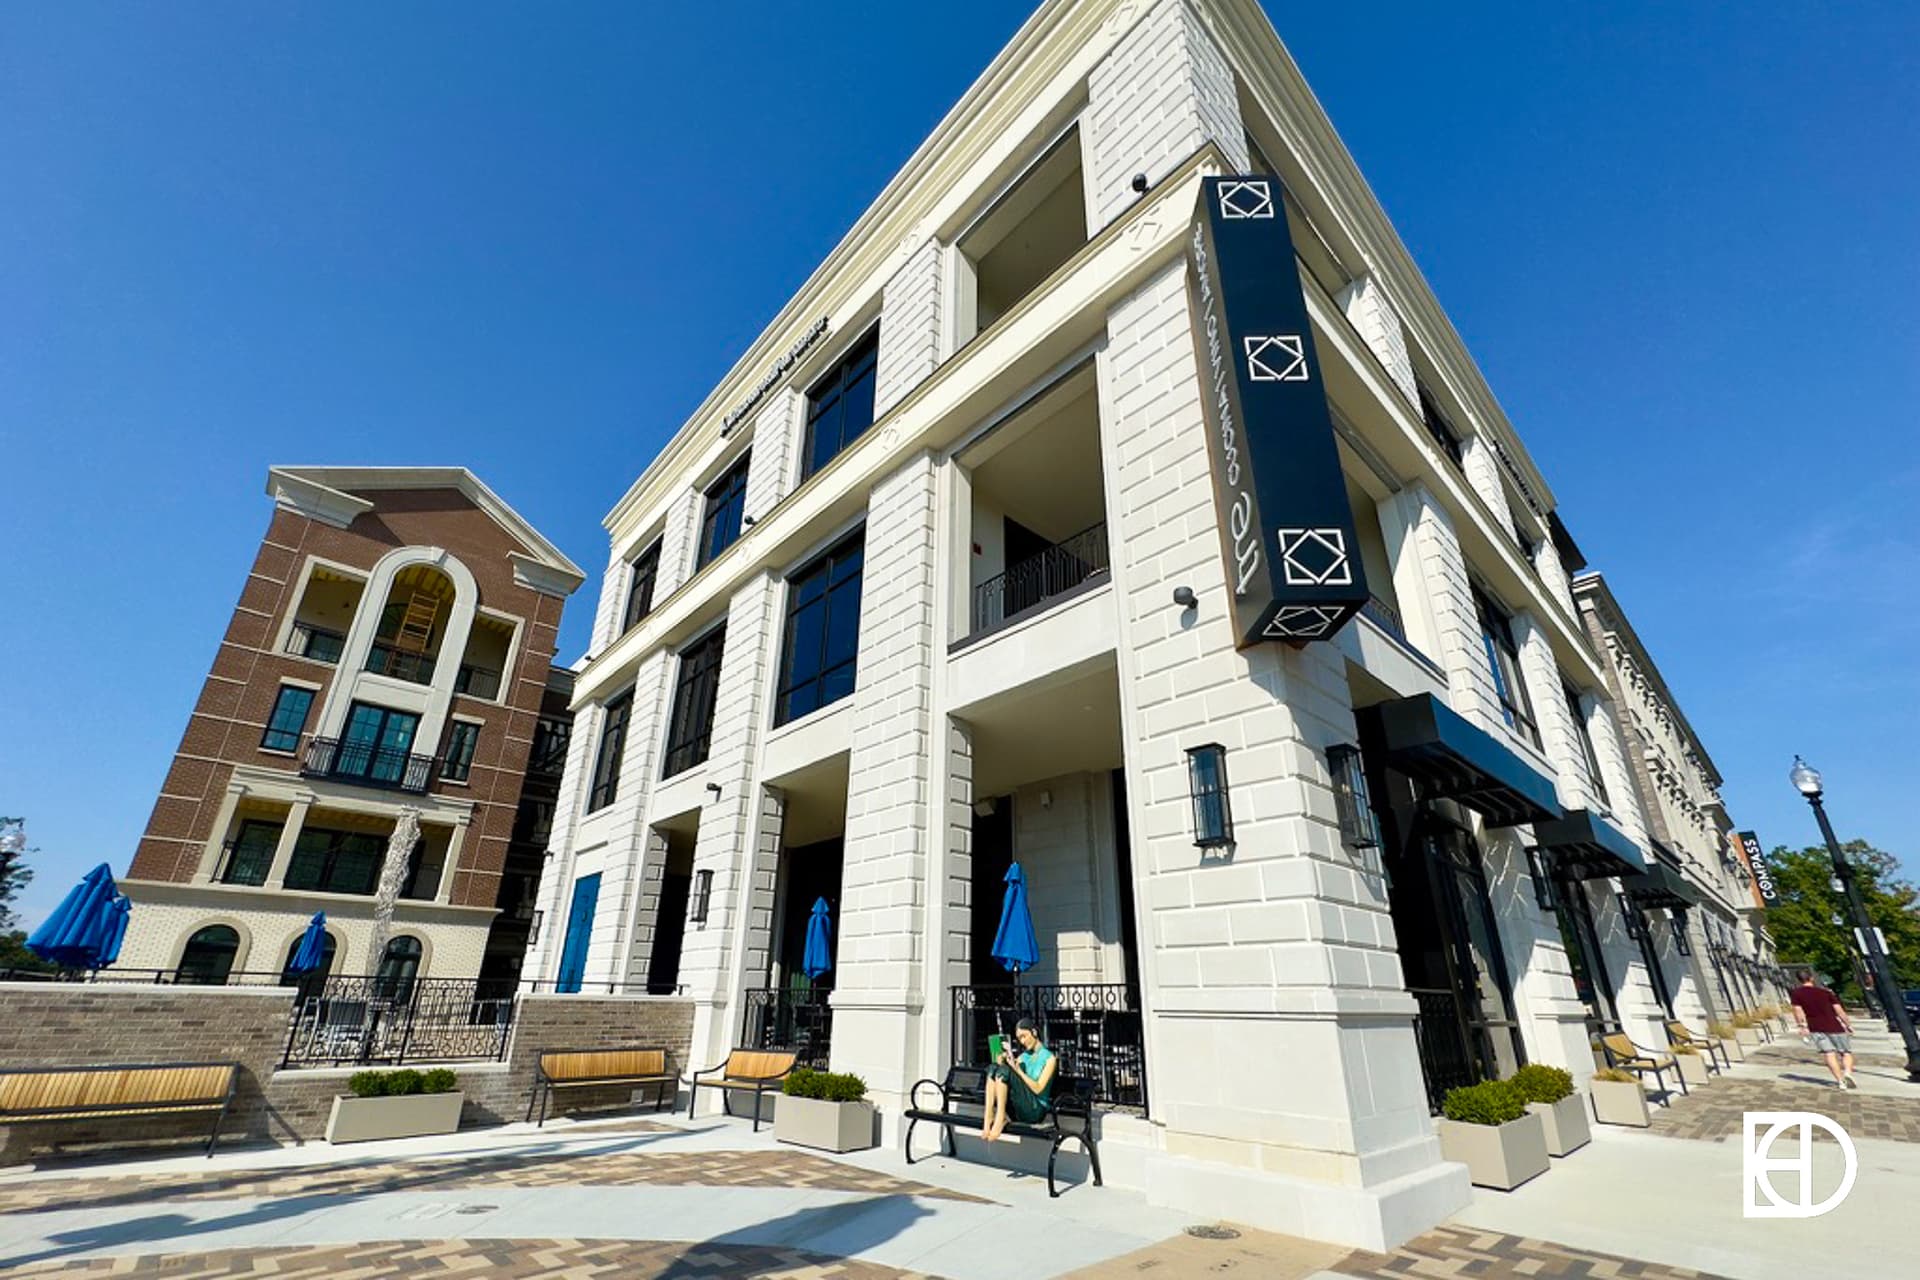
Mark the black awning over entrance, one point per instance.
(1586, 847)
(1660, 886)
(1429, 742)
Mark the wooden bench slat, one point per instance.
(45, 1094)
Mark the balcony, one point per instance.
(244, 862)
(306, 641)
(477, 682)
(1030, 584)
(415, 668)
(793, 1020)
(367, 765)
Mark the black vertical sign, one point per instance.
(1286, 528)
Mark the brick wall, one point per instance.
(50, 1025)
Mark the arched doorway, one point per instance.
(399, 966)
(209, 956)
(312, 982)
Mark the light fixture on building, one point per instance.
(714, 787)
(1636, 923)
(1542, 876)
(702, 895)
(1359, 825)
(1212, 807)
(748, 521)
(985, 808)
(1140, 184)
(533, 930)
(1184, 597)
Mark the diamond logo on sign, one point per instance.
(1245, 200)
(1315, 557)
(1303, 622)
(1280, 358)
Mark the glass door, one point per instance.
(1479, 968)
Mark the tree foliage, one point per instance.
(14, 955)
(1801, 921)
(11, 884)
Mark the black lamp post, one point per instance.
(1806, 779)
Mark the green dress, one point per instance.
(1023, 1104)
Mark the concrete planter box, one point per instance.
(1693, 1068)
(1498, 1156)
(412, 1115)
(1566, 1124)
(1734, 1052)
(1620, 1102)
(824, 1126)
(1749, 1037)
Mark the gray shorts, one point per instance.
(1833, 1042)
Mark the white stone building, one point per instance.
(934, 581)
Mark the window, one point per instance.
(336, 861)
(1587, 753)
(376, 743)
(462, 738)
(726, 503)
(613, 744)
(399, 965)
(422, 880)
(288, 719)
(312, 982)
(1440, 429)
(551, 736)
(691, 728)
(840, 405)
(1503, 657)
(209, 956)
(646, 571)
(250, 854)
(823, 632)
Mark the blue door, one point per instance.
(573, 953)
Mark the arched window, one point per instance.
(399, 966)
(412, 623)
(209, 956)
(312, 982)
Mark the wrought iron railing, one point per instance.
(385, 660)
(1095, 1029)
(1039, 578)
(315, 642)
(392, 1018)
(1446, 1059)
(367, 764)
(477, 682)
(243, 864)
(800, 1021)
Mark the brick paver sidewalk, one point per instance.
(1713, 1113)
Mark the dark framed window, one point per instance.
(817, 655)
(250, 853)
(336, 861)
(690, 730)
(1587, 752)
(376, 743)
(457, 763)
(289, 717)
(551, 737)
(606, 761)
(726, 504)
(646, 571)
(399, 966)
(1440, 429)
(1503, 657)
(209, 955)
(840, 405)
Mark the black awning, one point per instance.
(1660, 886)
(1586, 847)
(1429, 742)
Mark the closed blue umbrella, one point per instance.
(115, 932)
(85, 926)
(1014, 944)
(312, 951)
(819, 956)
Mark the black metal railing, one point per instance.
(385, 660)
(1446, 1060)
(243, 864)
(1095, 1029)
(315, 642)
(367, 764)
(798, 1021)
(394, 1019)
(1040, 578)
(1386, 617)
(477, 682)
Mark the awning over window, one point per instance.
(1586, 847)
(1426, 740)
(1660, 886)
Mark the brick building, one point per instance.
(1117, 499)
(391, 650)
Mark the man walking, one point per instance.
(1820, 1016)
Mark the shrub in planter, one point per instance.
(1550, 1094)
(1619, 1099)
(826, 1110)
(1488, 1128)
(396, 1104)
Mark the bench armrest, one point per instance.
(913, 1094)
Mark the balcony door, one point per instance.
(376, 743)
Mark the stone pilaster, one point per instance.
(1436, 601)
(776, 439)
(909, 327)
(1366, 305)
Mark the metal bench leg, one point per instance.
(1052, 1152)
(1093, 1158)
(532, 1095)
(546, 1100)
(213, 1139)
(757, 1091)
(693, 1091)
(909, 1141)
(1683, 1078)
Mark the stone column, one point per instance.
(217, 838)
(1367, 307)
(1436, 601)
(909, 325)
(456, 840)
(289, 836)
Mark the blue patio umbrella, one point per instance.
(1014, 944)
(819, 956)
(84, 931)
(312, 951)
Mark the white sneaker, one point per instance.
(1850, 1082)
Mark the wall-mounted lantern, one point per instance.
(1212, 807)
(533, 930)
(1359, 825)
(1542, 876)
(702, 895)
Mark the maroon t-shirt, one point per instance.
(1817, 1003)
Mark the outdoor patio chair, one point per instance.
(1627, 1056)
(1677, 1033)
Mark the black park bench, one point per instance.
(1069, 1115)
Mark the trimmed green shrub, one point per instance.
(1489, 1102)
(367, 1084)
(439, 1080)
(805, 1082)
(1538, 1082)
(404, 1083)
(844, 1087)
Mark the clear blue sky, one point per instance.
(1681, 240)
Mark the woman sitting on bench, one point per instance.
(1019, 1086)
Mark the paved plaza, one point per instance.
(668, 1198)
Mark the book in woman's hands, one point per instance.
(996, 1045)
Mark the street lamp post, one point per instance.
(1806, 779)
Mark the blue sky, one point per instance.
(1680, 239)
